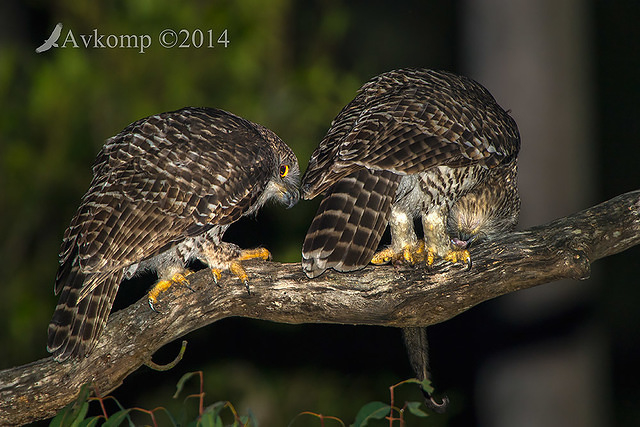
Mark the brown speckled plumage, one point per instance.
(411, 144)
(164, 191)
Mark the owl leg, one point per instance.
(437, 241)
(405, 247)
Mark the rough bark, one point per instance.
(385, 295)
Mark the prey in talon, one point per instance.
(164, 191)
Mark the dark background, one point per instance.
(562, 354)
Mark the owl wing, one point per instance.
(412, 127)
(162, 179)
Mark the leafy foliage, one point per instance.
(223, 413)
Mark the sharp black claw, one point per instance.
(215, 280)
(153, 308)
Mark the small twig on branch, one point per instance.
(407, 297)
(168, 366)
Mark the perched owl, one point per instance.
(413, 144)
(164, 191)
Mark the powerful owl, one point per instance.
(164, 191)
(413, 144)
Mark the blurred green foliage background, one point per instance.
(290, 66)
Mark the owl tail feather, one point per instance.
(349, 223)
(415, 340)
(76, 325)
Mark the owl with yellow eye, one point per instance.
(164, 191)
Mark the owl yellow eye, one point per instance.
(284, 170)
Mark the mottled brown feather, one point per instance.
(163, 179)
(409, 120)
(404, 122)
(350, 221)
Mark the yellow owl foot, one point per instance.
(419, 253)
(410, 255)
(458, 257)
(236, 268)
(163, 285)
(383, 257)
(261, 253)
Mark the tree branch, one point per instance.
(385, 295)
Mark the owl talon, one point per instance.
(459, 257)
(414, 254)
(261, 253)
(162, 285)
(238, 270)
(181, 279)
(217, 274)
(383, 257)
(428, 257)
(409, 255)
(159, 287)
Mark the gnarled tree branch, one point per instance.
(385, 295)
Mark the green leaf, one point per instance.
(57, 420)
(81, 414)
(249, 419)
(70, 416)
(91, 422)
(208, 419)
(415, 409)
(74, 412)
(426, 386)
(182, 381)
(215, 408)
(117, 418)
(371, 411)
(165, 411)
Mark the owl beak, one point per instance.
(290, 197)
